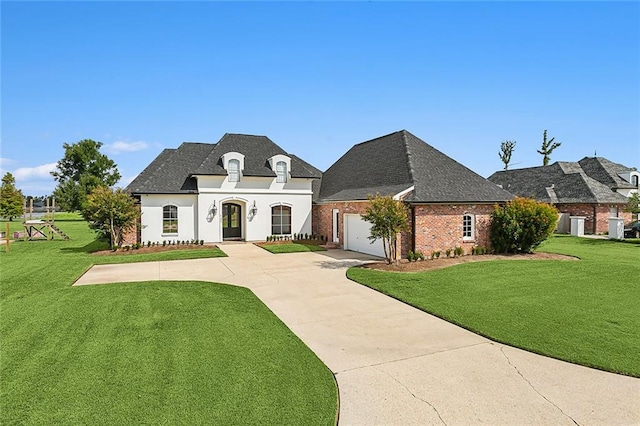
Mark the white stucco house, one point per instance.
(244, 187)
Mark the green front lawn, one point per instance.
(291, 248)
(585, 312)
(145, 353)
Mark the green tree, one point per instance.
(633, 204)
(521, 225)
(388, 217)
(82, 169)
(111, 213)
(11, 199)
(506, 150)
(547, 148)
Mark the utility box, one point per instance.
(577, 226)
(616, 228)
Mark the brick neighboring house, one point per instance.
(449, 204)
(593, 187)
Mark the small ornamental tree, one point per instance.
(111, 213)
(521, 225)
(388, 217)
(11, 199)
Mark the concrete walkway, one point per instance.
(394, 364)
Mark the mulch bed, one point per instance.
(428, 265)
(156, 249)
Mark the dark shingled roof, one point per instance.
(257, 151)
(172, 171)
(606, 172)
(558, 183)
(396, 162)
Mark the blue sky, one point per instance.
(318, 78)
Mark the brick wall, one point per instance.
(132, 236)
(322, 217)
(596, 215)
(439, 227)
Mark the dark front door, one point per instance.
(231, 221)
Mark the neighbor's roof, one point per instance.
(172, 172)
(606, 172)
(558, 183)
(396, 162)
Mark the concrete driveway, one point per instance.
(394, 364)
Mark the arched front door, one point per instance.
(231, 221)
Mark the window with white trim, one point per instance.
(170, 219)
(281, 172)
(280, 220)
(234, 171)
(468, 227)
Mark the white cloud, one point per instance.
(5, 161)
(119, 147)
(34, 173)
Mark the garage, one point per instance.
(356, 232)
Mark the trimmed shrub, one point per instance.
(458, 251)
(411, 256)
(447, 253)
(419, 255)
(201, 242)
(521, 225)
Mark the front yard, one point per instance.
(145, 353)
(585, 312)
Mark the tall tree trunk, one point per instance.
(112, 232)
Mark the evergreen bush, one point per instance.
(521, 225)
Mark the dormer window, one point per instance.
(233, 163)
(634, 180)
(281, 172)
(281, 165)
(233, 169)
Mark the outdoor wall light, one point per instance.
(253, 210)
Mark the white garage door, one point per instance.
(356, 233)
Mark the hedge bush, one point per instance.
(521, 225)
